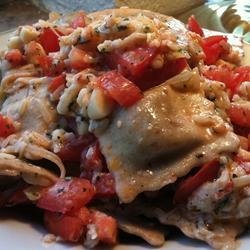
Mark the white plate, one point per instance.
(17, 234)
(21, 234)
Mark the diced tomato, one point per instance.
(14, 57)
(49, 39)
(174, 67)
(66, 195)
(105, 185)
(50, 68)
(69, 228)
(57, 82)
(78, 21)
(154, 77)
(213, 47)
(212, 40)
(239, 115)
(78, 59)
(45, 63)
(194, 26)
(133, 63)
(242, 74)
(6, 126)
(224, 74)
(72, 150)
(106, 227)
(123, 91)
(83, 213)
(91, 158)
(208, 172)
(242, 131)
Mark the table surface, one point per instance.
(18, 12)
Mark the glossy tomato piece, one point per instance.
(208, 172)
(133, 63)
(6, 126)
(242, 74)
(57, 82)
(239, 115)
(106, 227)
(83, 214)
(78, 20)
(213, 48)
(174, 67)
(78, 59)
(69, 228)
(105, 185)
(45, 63)
(120, 89)
(231, 77)
(92, 159)
(50, 68)
(155, 77)
(194, 26)
(66, 195)
(49, 39)
(72, 150)
(223, 74)
(14, 57)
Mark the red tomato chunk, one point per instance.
(214, 48)
(49, 68)
(6, 126)
(73, 149)
(78, 59)
(66, 195)
(105, 185)
(207, 172)
(92, 159)
(106, 227)
(154, 77)
(133, 63)
(231, 77)
(57, 82)
(123, 91)
(69, 228)
(194, 26)
(14, 57)
(49, 39)
(83, 213)
(239, 115)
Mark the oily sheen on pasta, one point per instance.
(128, 120)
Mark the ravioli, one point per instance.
(160, 138)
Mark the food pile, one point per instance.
(126, 119)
